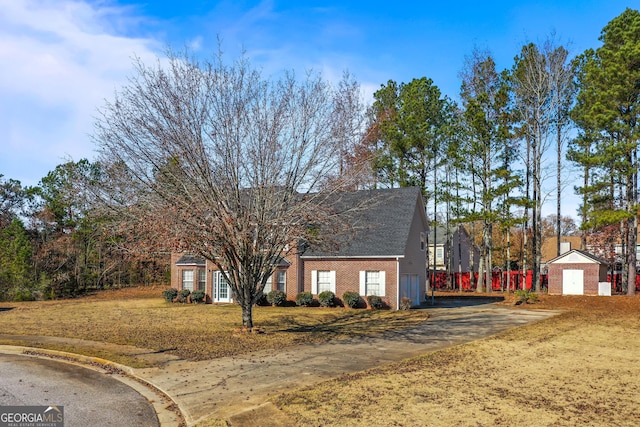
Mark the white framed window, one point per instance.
(282, 280)
(423, 241)
(323, 280)
(187, 279)
(372, 282)
(202, 279)
(440, 255)
(223, 288)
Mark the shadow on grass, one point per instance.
(5, 309)
(359, 323)
(461, 301)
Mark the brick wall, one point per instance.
(348, 274)
(591, 277)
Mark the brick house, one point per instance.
(384, 256)
(578, 273)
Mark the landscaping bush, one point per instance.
(262, 301)
(276, 298)
(351, 299)
(183, 294)
(327, 299)
(197, 297)
(375, 302)
(304, 299)
(523, 296)
(170, 294)
(405, 303)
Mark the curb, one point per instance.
(167, 410)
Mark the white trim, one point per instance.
(314, 282)
(332, 277)
(354, 257)
(382, 282)
(216, 284)
(398, 283)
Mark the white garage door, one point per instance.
(572, 282)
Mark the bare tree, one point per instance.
(543, 93)
(227, 164)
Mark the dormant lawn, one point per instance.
(140, 317)
(581, 368)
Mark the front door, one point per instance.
(221, 291)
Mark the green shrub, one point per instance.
(276, 298)
(327, 299)
(23, 295)
(197, 297)
(170, 294)
(523, 296)
(262, 301)
(304, 299)
(375, 302)
(183, 294)
(405, 303)
(351, 299)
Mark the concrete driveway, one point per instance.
(238, 388)
(227, 387)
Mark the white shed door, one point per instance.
(572, 282)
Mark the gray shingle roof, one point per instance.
(381, 228)
(191, 260)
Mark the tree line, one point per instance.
(55, 244)
(216, 159)
(483, 161)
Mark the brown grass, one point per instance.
(580, 368)
(140, 317)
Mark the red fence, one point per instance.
(616, 284)
(498, 280)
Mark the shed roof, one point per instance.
(572, 253)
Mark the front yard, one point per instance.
(140, 317)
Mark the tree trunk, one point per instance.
(632, 231)
(247, 315)
(559, 188)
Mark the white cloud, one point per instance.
(59, 60)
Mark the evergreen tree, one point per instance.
(607, 110)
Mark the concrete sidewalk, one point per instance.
(228, 387)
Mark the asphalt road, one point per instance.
(89, 398)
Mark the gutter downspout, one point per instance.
(397, 284)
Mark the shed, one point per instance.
(578, 273)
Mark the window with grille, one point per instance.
(282, 281)
(372, 283)
(187, 279)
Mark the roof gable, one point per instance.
(382, 227)
(577, 256)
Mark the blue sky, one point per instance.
(59, 59)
